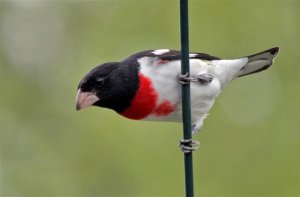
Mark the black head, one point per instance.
(109, 85)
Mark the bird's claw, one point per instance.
(187, 146)
(202, 78)
(205, 78)
(184, 78)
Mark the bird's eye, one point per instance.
(100, 81)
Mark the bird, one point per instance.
(147, 85)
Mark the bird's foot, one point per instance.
(205, 78)
(187, 146)
(202, 78)
(185, 79)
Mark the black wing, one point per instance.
(168, 55)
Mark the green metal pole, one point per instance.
(186, 101)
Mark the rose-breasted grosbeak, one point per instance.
(147, 85)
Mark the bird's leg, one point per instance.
(187, 146)
(184, 79)
(204, 78)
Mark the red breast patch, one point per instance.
(144, 102)
(164, 108)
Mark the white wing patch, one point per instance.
(160, 51)
(193, 54)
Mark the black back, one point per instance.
(171, 55)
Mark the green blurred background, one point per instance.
(249, 143)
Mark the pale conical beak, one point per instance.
(85, 99)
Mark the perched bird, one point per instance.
(147, 85)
